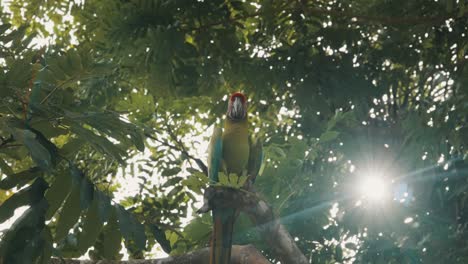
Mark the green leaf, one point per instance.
(23, 242)
(170, 172)
(131, 229)
(278, 152)
(5, 169)
(104, 205)
(87, 192)
(328, 136)
(27, 196)
(199, 229)
(107, 124)
(91, 227)
(71, 147)
(109, 242)
(173, 237)
(57, 193)
(351, 246)
(196, 182)
(140, 105)
(38, 152)
(176, 190)
(339, 253)
(449, 6)
(112, 238)
(74, 60)
(100, 143)
(77, 174)
(4, 27)
(69, 214)
(16, 35)
(42, 151)
(46, 236)
(172, 181)
(20, 178)
(160, 236)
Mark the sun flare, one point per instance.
(373, 188)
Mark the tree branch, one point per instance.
(359, 18)
(261, 214)
(4, 142)
(385, 20)
(184, 150)
(247, 254)
(199, 162)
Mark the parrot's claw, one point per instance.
(206, 201)
(204, 209)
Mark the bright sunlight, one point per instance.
(373, 188)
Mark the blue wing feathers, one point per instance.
(255, 159)
(215, 154)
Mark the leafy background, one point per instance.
(124, 91)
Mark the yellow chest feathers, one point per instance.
(235, 146)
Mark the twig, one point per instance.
(384, 20)
(184, 150)
(175, 139)
(25, 101)
(11, 146)
(51, 92)
(5, 141)
(75, 78)
(168, 227)
(199, 162)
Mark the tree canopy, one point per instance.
(361, 105)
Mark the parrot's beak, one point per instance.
(237, 110)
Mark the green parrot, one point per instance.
(231, 151)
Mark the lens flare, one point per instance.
(373, 188)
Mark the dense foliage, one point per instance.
(338, 89)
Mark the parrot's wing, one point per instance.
(255, 159)
(215, 154)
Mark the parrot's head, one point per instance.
(237, 107)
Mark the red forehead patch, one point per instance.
(238, 94)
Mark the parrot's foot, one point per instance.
(207, 196)
(225, 197)
(204, 209)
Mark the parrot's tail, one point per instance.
(221, 242)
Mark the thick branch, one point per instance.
(261, 214)
(240, 255)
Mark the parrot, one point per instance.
(231, 151)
